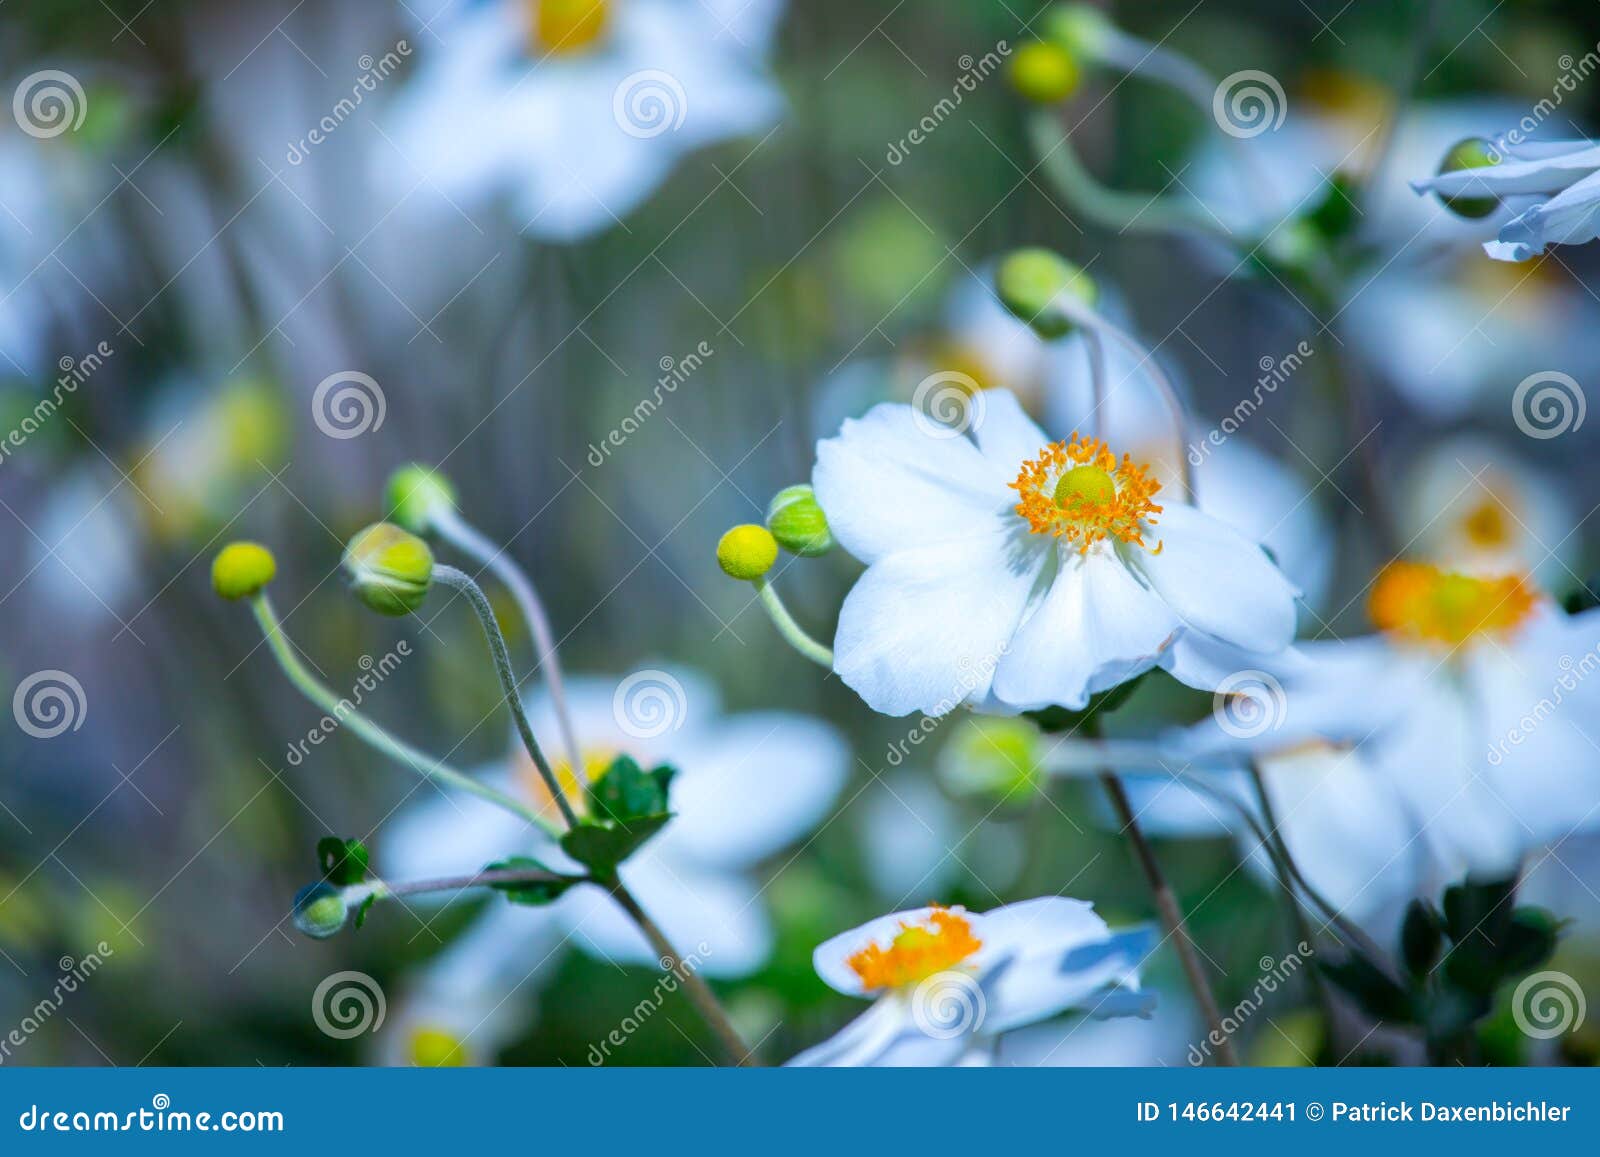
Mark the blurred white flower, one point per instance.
(748, 785)
(945, 981)
(578, 109)
(972, 596)
(1552, 187)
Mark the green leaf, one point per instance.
(625, 791)
(361, 912)
(601, 847)
(1421, 938)
(343, 861)
(533, 893)
(1371, 988)
(1529, 942)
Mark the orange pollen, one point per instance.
(1424, 603)
(918, 951)
(1084, 514)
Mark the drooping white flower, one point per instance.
(945, 980)
(748, 785)
(1553, 188)
(578, 109)
(1012, 573)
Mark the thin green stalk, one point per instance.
(341, 709)
(466, 538)
(791, 631)
(490, 878)
(461, 582)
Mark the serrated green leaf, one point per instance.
(343, 861)
(626, 791)
(533, 893)
(602, 846)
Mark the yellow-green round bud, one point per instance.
(747, 552)
(1045, 72)
(796, 520)
(390, 568)
(320, 910)
(1082, 29)
(241, 569)
(1472, 153)
(1034, 284)
(416, 495)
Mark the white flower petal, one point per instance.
(924, 629)
(1571, 217)
(1049, 979)
(1095, 628)
(831, 957)
(1004, 433)
(1548, 172)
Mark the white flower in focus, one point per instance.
(1011, 573)
(747, 786)
(945, 980)
(579, 108)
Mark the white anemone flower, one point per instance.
(945, 981)
(580, 108)
(747, 786)
(1553, 188)
(1012, 573)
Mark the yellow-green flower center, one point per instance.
(1085, 486)
(567, 27)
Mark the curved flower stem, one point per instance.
(462, 583)
(466, 538)
(1095, 345)
(791, 631)
(1172, 917)
(375, 736)
(697, 990)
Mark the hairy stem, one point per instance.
(791, 631)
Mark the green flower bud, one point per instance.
(1045, 72)
(390, 568)
(1472, 153)
(797, 522)
(416, 495)
(320, 910)
(747, 552)
(1033, 282)
(1082, 29)
(241, 569)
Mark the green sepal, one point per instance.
(533, 893)
(601, 847)
(343, 861)
(626, 806)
